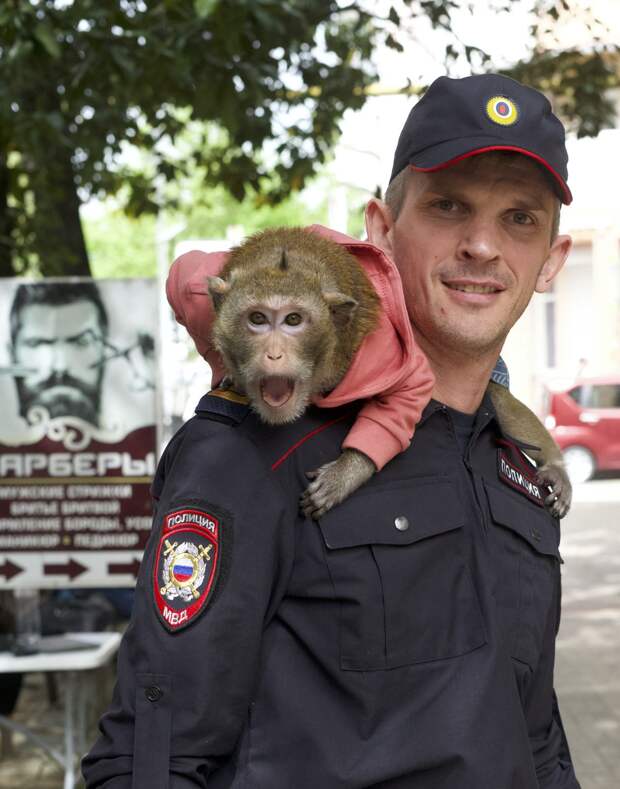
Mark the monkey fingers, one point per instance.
(335, 481)
(554, 476)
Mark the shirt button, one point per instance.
(153, 693)
(401, 523)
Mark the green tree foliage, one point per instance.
(122, 246)
(265, 82)
(80, 79)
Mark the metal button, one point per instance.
(401, 523)
(153, 693)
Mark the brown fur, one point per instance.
(315, 266)
(517, 420)
(292, 269)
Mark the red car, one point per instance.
(585, 422)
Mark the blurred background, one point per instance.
(134, 130)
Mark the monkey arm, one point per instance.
(386, 422)
(186, 290)
(516, 419)
(383, 428)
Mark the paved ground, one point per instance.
(588, 661)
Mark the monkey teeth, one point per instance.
(276, 390)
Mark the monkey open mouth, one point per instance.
(276, 390)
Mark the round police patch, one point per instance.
(186, 565)
(502, 110)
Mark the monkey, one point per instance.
(291, 311)
(517, 420)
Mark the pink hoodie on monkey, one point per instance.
(388, 370)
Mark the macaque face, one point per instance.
(272, 347)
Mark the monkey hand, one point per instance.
(555, 477)
(334, 482)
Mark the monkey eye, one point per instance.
(293, 319)
(257, 318)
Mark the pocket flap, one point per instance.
(530, 522)
(370, 516)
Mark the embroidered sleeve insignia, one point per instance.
(186, 565)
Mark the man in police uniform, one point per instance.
(406, 641)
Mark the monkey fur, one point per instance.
(291, 310)
(517, 420)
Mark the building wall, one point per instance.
(574, 329)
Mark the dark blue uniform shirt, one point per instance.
(406, 641)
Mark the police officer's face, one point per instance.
(62, 347)
(472, 243)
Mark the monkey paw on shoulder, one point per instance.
(334, 482)
(555, 477)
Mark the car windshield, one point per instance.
(597, 395)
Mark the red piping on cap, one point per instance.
(565, 190)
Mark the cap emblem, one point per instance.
(502, 111)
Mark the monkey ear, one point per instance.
(341, 307)
(217, 288)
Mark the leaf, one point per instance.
(205, 8)
(392, 43)
(393, 16)
(45, 36)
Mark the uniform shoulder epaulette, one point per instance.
(223, 405)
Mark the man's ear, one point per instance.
(558, 253)
(379, 223)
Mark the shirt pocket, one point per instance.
(528, 562)
(397, 563)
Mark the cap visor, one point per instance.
(449, 153)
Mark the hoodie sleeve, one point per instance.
(186, 289)
(389, 370)
(385, 424)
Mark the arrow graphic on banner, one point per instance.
(70, 568)
(10, 570)
(125, 569)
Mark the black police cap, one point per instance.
(459, 118)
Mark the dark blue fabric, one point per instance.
(349, 653)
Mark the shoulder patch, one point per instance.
(514, 470)
(187, 564)
(224, 402)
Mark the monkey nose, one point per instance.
(274, 358)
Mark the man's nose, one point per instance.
(59, 358)
(478, 243)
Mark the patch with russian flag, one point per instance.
(186, 565)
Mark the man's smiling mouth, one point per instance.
(474, 288)
(469, 285)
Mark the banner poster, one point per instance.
(77, 430)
